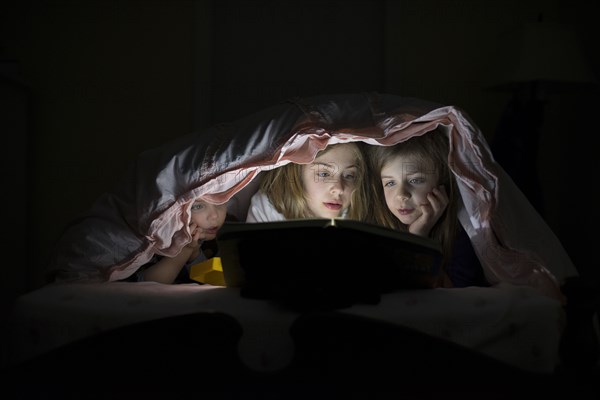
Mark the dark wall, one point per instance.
(267, 51)
(105, 79)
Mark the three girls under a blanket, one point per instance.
(408, 187)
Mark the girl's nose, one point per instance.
(337, 187)
(402, 194)
(212, 213)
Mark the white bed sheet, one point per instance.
(514, 324)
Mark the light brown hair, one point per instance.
(286, 191)
(431, 151)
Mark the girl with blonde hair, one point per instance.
(332, 186)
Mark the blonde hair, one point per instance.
(286, 192)
(430, 150)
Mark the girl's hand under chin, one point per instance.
(195, 231)
(430, 212)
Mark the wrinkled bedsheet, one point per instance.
(513, 324)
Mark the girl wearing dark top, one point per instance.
(414, 181)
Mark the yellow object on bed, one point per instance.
(208, 271)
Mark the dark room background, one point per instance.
(87, 85)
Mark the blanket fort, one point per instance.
(135, 221)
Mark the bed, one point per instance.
(510, 332)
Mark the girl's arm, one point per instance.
(167, 268)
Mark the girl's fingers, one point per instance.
(427, 209)
(434, 202)
(438, 199)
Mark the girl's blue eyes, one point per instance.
(197, 206)
(202, 206)
(348, 177)
(413, 181)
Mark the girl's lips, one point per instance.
(211, 231)
(405, 211)
(333, 206)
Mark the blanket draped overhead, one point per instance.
(149, 210)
